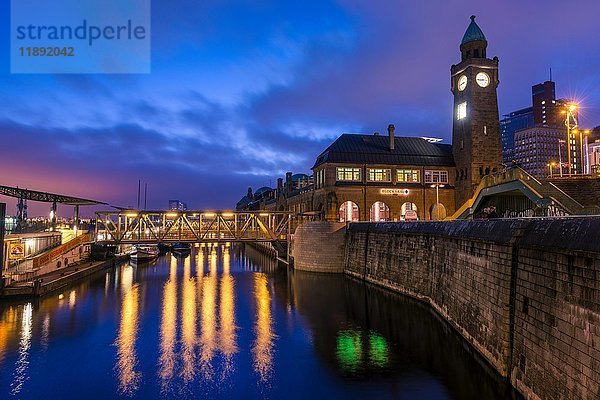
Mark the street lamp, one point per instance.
(437, 187)
(571, 108)
(550, 168)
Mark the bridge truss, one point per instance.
(131, 227)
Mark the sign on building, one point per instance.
(16, 251)
(394, 192)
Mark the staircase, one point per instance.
(543, 190)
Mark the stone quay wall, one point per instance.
(319, 247)
(524, 293)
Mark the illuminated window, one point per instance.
(348, 174)
(408, 175)
(320, 178)
(461, 111)
(379, 175)
(436, 176)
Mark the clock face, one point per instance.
(483, 79)
(462, 83)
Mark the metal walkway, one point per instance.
(131, 227)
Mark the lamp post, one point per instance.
(551, 167)
(571, 108)
(584, 154)
(560, 162)
(437, 187)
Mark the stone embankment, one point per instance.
(524, 293)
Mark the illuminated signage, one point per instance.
(394, 192)
(16, 251)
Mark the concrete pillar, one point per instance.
(76, 220)
(53, 216)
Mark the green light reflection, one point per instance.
(351, 353)
(349, 350)
(378, 350)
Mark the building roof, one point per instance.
(371, 149)
(473, 33)
(35, 195)
(297, 177)
(244, 201)
(262, 190)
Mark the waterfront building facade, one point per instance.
(384, 178)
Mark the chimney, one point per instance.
(391, 129)
(249, 194)
(280, 184)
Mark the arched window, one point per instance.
(408, 212)
(438, 212)
(348, 212)
(379, 212)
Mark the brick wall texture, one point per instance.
(524, 293)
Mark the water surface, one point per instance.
(227, 323)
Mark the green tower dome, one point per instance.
(473, 32)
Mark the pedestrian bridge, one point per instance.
(134, 226)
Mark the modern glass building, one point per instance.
(509, 125)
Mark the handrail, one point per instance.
(60, 250)
(551, 191)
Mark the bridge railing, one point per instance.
(129, 227)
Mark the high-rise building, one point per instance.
(511, 123)
(476, 142)
(546, 111)
(541, 151)
(176, 205)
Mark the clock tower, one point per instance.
(476, 144)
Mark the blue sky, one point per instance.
(242, 91)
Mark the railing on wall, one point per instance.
(45, 258)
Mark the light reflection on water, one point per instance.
(227, 323)
(22, 364)
(127, 361)
(208, 336)
(168, 327)
(227, 332)
(263, 345)
(188, 323)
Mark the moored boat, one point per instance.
(181, 248)
(164, 248)
(143, 252)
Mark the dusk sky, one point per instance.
(242, 91)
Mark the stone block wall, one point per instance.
(524, 293)
(556, 348)
(319, 247)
